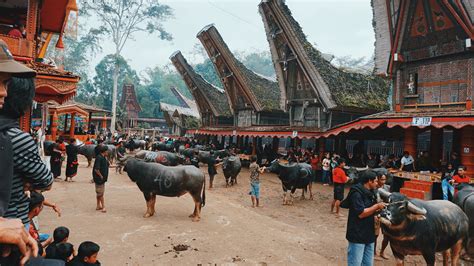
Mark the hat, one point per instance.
(9, 65)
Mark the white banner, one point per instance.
(421, 121)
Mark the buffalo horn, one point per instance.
(416, 210)
(384, 194)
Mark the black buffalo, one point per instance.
(156, 179)
(204, 156)
(161, 146)
(133, 144)
(189, 153)
(89, 152)
(293, 176)
(417, 227)
(163, 157)
(231, 167)
(465, 200)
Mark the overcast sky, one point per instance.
(339, 27)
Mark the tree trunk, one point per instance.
(114, 95)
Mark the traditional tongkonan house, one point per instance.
(41, 20)
(254, 100)
(182, 117)
(211, 101)
(426, 48)
(316, 94)
(129, 105)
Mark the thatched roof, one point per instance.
(336, 88)
(184, 101)
(264, 93)
(214, 97)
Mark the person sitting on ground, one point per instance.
(64, 252)
(60, 235)
(87, 255)
(18, 31)
(100, 174)
(340, 179)
(35, 208)
(255, 171)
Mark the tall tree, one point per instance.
(121, 19)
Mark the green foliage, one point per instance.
(102, 81)
(208, 72)
(259, 62)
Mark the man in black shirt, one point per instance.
(100, 173)
(360, 224)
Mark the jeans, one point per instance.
(446, 186)
(360, 254)
(326, 175)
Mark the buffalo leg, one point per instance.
(285, 202)
(302, 195)
(197, 206)
(400, 258)
(148, 199)
(89, 161)
(456, 252)
(310, 187)
(429, 258)
(152, 204)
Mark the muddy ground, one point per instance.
(230, 230)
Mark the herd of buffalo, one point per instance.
(413, 227)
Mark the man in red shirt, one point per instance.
(17, 31)
(339, 178)
(460, 177)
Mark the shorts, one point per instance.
(338, 191)
(99, 190)
(255, 189)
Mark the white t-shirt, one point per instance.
(407, 160)
(326, 164)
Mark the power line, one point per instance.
(232, 14)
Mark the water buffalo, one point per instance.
(231, 167)
(204, 156)
(156, 179)
(89, 152)
(189, 153)
(465, 200)
(417, 227)
(163, 157)
(133, 144)
(293, 176)
(161, 146)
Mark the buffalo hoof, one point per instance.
(302, 198)
(192, 215)
(147, 215)
(196, 219)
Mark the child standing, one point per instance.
(100, 173)
(255, 172)
(326, 169)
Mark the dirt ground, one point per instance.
(230, 231)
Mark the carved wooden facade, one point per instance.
(48, 17)
(253, 99)
(211, 101)
(427, 48)
(314, 92)
(130, 105)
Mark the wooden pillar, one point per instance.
(254, 146)
(436, 146)
(298, 142)
(457, 141)
(73, 125)
(409, 141)
(467, 149)
(104, 122)
(322, 147)
(276, 144)
(66, 119)
(54, 126)
(89, 121)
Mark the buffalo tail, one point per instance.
(203, 197)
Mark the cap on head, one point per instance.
(9, 65)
